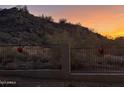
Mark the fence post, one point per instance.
(65, 59)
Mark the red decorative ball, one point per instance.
(20, 50)
(101, 51)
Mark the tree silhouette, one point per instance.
(22, 7)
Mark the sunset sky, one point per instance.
(106, 20)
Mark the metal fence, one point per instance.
(60, 61)
(27, 57)
(96, 60)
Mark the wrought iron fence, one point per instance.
(61, 57)
(97, 60)
(25, 57)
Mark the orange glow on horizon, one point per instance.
(106, 20)
(117, 33)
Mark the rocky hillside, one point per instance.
(119, 41)
(18, 26)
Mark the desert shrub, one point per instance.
(47, 18)
(84, 56)
(20, 57)
(62, 21)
